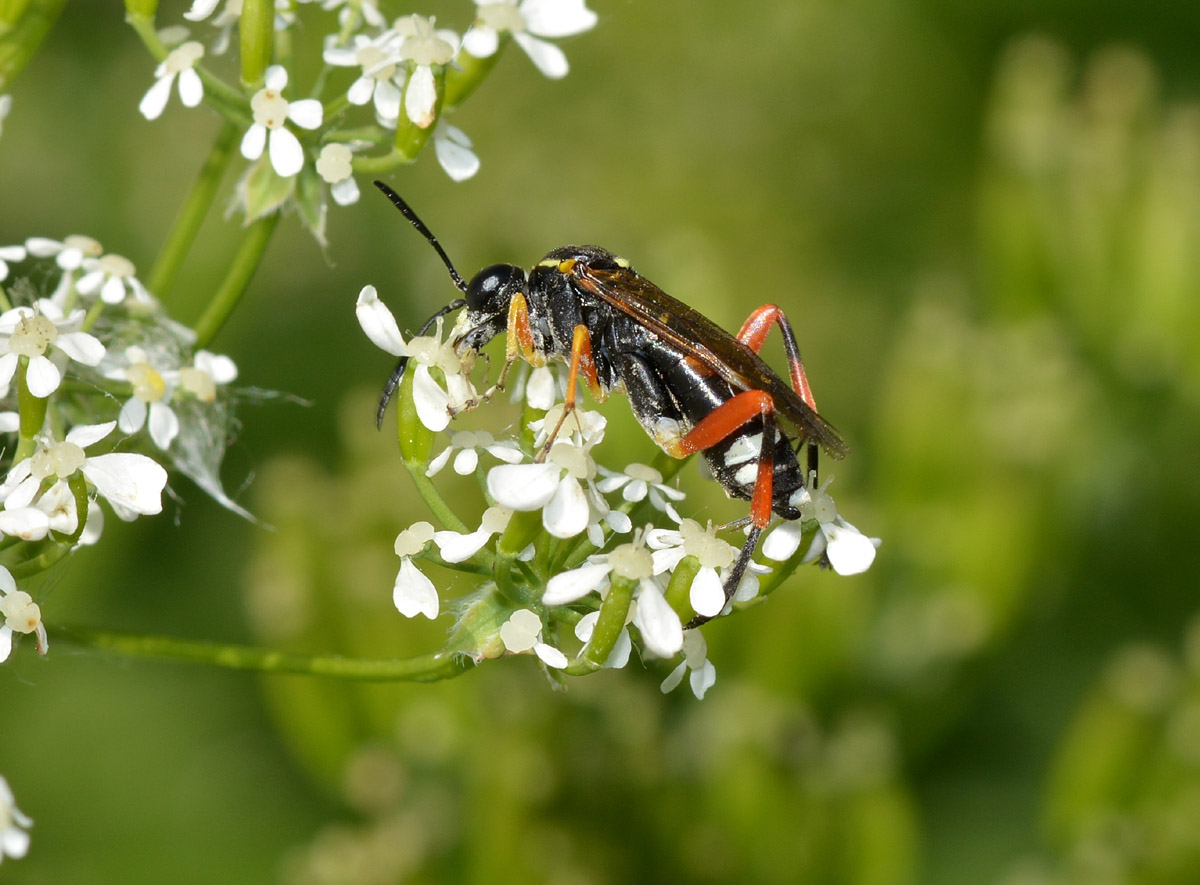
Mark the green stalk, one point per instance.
(424, 668)
(23, 26)
(191, 215)
(613, 612)
(244, 264)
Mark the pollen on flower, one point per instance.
(116, 265)
(502, 17)
(631, 561)
(520, 632)
(148, 384)
(413, 539)
(184, 57)
(32, 336)
(269, 108)
(61, 460)
(333, 164)
(21, 613)
(196, 382)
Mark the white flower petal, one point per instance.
(459, 162)
(433, 403)
(557, 18)
(782, 541)
(540, 389)
(81, 347)
(548, 58)
(306, 113)
(673, 679)
(481, 42)
(567, 587)
(155, 100)
(707, 595)
(84, 435)
(662, 632)
(566, 514)
(550, 655)
(6, 637)
(164, 425)
(850, 552)
(414, 594)
(387, 99)
(254, 141)
(27, 523)
(465, 462)
(131, 483)
(201, 9)
(702, 679)
(523, 486)
(379, 324)
(113, 290)
(360, 91)
(276, 78)
(287, 156)
(42, 377)
(191, 88)
(421, 96)
(458, 547)
(133, 415)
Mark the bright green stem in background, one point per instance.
(468, 72)
(425, 668)
(191, 215)
(257, 27)
(245, 263)
(23, 26)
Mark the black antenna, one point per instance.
(408, 213)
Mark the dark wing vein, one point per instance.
(696, 336)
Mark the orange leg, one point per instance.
(716, 426)
(725, 420)
(583, 362)
(754, 333)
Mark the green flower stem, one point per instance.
(468, 72)
(92, 315)
(613, 612)
(5, 304)
(32, 409)
(680, 587)
(141, 8)
(23, 26)
(384, 163)
(228, 102)
(35, 565)
(424, 668)
(191, 215)
(257, 29)
(433, 499)
(245, 263)
(482, 563)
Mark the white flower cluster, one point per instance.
(14, 838)
(65, 390)
(558, 478)
(398, 69)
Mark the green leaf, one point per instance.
(261, 191)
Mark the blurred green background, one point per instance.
(983, 219)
